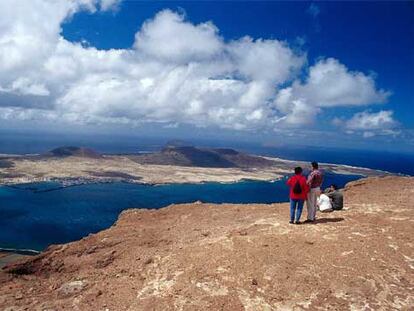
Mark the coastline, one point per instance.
(81, 182)
(19, 251)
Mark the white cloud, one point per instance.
(266, 60)
(107, 5)
(170, 38)
(24, 86)
(176, 72)
(372, 124)
(371, 121)
(329, 84)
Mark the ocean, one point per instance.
(395, 162)
(33, 216)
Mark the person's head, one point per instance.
(315, 165)
(298, 170)
(334, 187)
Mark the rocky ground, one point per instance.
(233, 257)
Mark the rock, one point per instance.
(148, 261)
(106, 260)
(91, 250)
(254, 282)
(71, 288)
(18, 296)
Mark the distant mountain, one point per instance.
(69, 151)
(197, 157)
(201, 157)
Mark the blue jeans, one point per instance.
(293, 204)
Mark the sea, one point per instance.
(33, 216)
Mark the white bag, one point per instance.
(324, 203)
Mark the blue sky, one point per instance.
(365, 99)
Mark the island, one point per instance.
(173, 164)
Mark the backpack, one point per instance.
(297, 189)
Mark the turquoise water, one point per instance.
(33, 216)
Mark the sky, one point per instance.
(335, 74)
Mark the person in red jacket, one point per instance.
(298, 192)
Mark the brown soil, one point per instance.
(233, 257)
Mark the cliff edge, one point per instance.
(233, 257)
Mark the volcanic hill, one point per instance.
(201, 157)
(72, 151)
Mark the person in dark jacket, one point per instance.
(337, 198)
(298, 192)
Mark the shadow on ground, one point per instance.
(327, 220)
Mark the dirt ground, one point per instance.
(233, 257)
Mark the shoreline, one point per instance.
(115, 180)
(19, 251)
